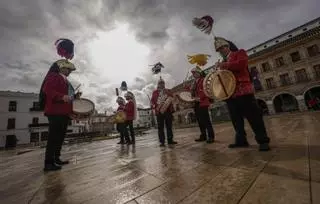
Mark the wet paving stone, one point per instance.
(190, 172)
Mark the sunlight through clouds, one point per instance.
(117, 56)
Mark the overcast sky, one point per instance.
(116, 42)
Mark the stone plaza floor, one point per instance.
(190, 172)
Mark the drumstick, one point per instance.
(77, 88)
(117, 91)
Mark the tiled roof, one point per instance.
(18, 94)
(295, 39)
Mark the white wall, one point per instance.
(23, 117)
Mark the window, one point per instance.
(295, 56)
(11, 123)
(317, 70)
(44, 136)
(270, 83)
(34, 137)
(36, 105)
(301, 75)
(284, 79)
(313, 50)
(279, 61)
(12, 106)
(35, 120)
(266, 67)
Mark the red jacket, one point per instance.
(154, 100)
(55, 87)
(129, 109)
(237, 63)
(204, 100)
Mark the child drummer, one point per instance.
(122, 127)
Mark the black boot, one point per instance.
(239, 145)
(59, 162)
(172, 142)
(264, 147)
(51, 167)
(201, 139)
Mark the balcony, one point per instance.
(38, 125)
(35, 109)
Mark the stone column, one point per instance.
(270, 107)
(301, 103)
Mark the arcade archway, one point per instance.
(312, 98)
(263, 106)
(285, 103)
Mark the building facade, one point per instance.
(286, 69)
(285, 72)
(21, 122)
(145, 118)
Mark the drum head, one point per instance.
(220, 84)
(83, 106)
(186, 96)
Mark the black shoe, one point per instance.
(235, 145)
(200, 140)
(209, 141)
(162, 145)
(51, 167)
(264, 147)
(129, 143)
(173, 142)
(120, 142)
(59, 162)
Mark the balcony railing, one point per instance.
(291, 81)
(35, 109)
(38, 125)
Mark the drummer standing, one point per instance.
(243, 102)
(201, 108)
(158, 98)
(130, 109)
(59, 94)
(122, 127)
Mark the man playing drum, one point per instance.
(158, 99)
(201, 107)
(242, 103)
(59, 95)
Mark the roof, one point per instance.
(18, 94)
(308, 29)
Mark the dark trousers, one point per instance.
(130, 126)
(165, 119)
(204, 122)
(57, 131)
(247, 106)
(123, 130)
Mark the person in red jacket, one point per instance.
(201, 107)
(243, 102)
(122, 127)
(59, 94)
(158, 98)
(131, 113)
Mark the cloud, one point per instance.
(29, 29)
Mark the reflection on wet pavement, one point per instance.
(190, 172)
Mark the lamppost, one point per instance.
(152, 116)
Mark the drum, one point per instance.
(185, 98)
(118, 117)
(82, 108)
(219, 85)
(165, 105)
